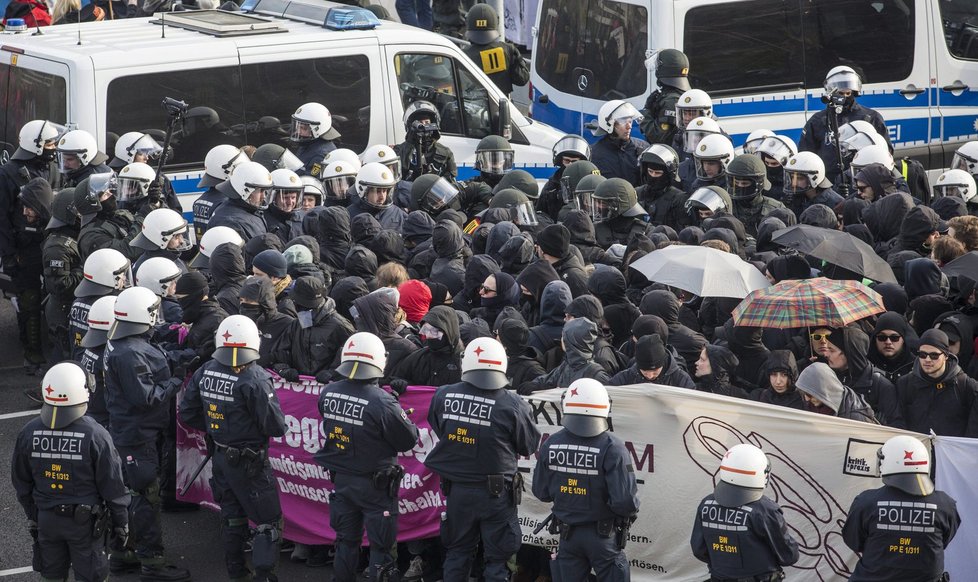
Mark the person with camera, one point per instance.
(421, 153)
(68, 478)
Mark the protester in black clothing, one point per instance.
(653, 364)
(714, 368)
(439, 360)
(778, 376)
(257, 303)
(846, 353)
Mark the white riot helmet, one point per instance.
(100, 317)
(363, 357)
(585, 408)
(312, 121)
(66, 388)
(338, 177)
(966, 158)
(164, 229)
(874, 154)
(76, 146)
(861, 140)
(803, 172)
(842, 78)
(484, 364)
(211, 239)
(342, 154)
(285, 183)
(158, 274)
(236, 341)
(743, 474)
(573, 146)
(373, 179)
(754, 139)
(218, 163)
(312, 187)
(134, 181)
(34, 136)
(697, 129)
(382, 154)
(692, 104)
(134, 142)
(905, 464)
(847, 130)
(615, 111)
(713, 148)
(777, 147)
(137, 309)
(250, 182)
(105, 271)
(955, 183)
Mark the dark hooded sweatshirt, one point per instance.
(346, 290)
(362, 262)
(273, 326)
(498, 236)
(917, 225)
(334, 238)
(376, 313)
(316, 348)
(687, 342)
(227, 271)
(866, 380)
(437, 363)
(507, 295)
(746, 344)
(582, 236)
(902, 363)
(671, 375)
(29, 238)
(722, 363)
(608, 285)
(535, 278)
(448, 267)
(948, 405)
(955, 323)
(779, 361)
(884, 217)
(479, 267)
(579, 335)
(516, 254)
(524, 361)
(553, 304)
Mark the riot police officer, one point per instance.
(281, 216)
(616, 153)
(746, 183)
(902, 528)
(103, 223)
(135, 147)
(659, 193)
(139, 386)
(375, 196)
(218, 164)
(106, 272)
(213, 238)
(232, 399)
(79, 158)
(100, 319)
(737, 531)
(68, 479)
(568, 150)
(421, 153)
(659, 114)
(482, 430)
(313, 133)
(247, 190)
(592, 533)
(501, 61)
(61, 269)
(616, 213)
(365, 430)
(165, 234)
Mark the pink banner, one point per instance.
(303, 484)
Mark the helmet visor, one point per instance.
(603, 209)
(526, 215)
(50, 134)
(742, 187)
(302, 131)
(131, 189)
(708, 168)
(751, 145)
(394, 166)
(69, 162)
(439, 196)
(99, 184)
(686, 115)
(693, 139)
(377, 196)
(963, 162)
(705, 199)
(337, 186)
(571, 146)
(494, 162)
(286, 199)
(288, 161)
(773, 147)
(857, 142)
(145, 146)
(797, 182)
(843, 81)
(180, 239)
(123, 276)
(960, 190)
(584, 201)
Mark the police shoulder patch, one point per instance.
(316, 169)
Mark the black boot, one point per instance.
(163, 573)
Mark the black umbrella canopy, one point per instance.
(838, 248)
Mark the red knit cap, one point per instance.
(415, 299)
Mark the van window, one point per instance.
(26, 95)
(744, 47)
(603, 40)
(960, 18)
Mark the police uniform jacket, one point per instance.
(237, 408)
(92, 359)
(111, 231)
(242, 219)
(204, 207)
(502, 62)
(365, 428)
(618, 159)
(285, 225)
(311, 155)
(78, 324)
(659, 115)
(480, 432)
(587, 479)
(816, 136)
(441, 161)
(62, 265)
(390, 218)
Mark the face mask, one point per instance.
(252, 312)
(435, 344)
(47, 155)
(190, 305)
(305, 319)
(109, 205)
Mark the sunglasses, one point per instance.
(863, 188)
(819, 337)
(892, 338)
(486, 289)
(930, 355)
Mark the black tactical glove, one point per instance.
(286, 372)
(32, 529)
(155, 192)
(324, 377)
(119, 538)
(398, 387)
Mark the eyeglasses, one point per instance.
(820, 337)
(892, 338)
(930, 355)
(485, 289)
(863, 188)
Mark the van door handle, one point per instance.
(957, 86)
(911, 90)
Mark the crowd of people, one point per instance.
(305, 252)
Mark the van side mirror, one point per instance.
(504, 122)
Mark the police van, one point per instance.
(763, 62)
(243, 74)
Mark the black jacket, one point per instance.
(376, 313)
(779, 360)
(535, 278)
(546, 334)
(671, 375)
(227, 270)
(608, 285)
(334, 237)
(435, 365)
(315, 348)
(618, 159)
(866, 380)
(579, 336)
(947, 405)
(902, 363)
(240, 217)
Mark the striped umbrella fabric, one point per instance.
(808, 303)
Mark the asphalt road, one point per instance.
(192, 540)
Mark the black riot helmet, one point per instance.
(63, 209)
(481, 24)
(572, 175)
(522, 181)
(672, 69)
(494, 156)
(431, 193)
(663, 158)
(747, 168)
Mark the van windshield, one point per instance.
(27, 95)
(600, 40)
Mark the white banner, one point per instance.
(957, 467)
(677, 437)
(518, 18)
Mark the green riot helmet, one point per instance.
(747, 177)
(481, 24)
(523, 213)
(672, 69)
(494, 155)
(431, 193)
(613, 198)
(572, 175)
(585, 189)
(522, 181)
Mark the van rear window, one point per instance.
(27, 95)
(601, 41)
(960, 19)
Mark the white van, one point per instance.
(763, 62)
(243, 75)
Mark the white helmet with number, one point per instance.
(382, 154)
(133, 182)
(236, 341)
(284, 182)
(137, 309)
(697, 129)
(713, 148)
(585, 408)
(33, 137)
(777, 147)
(692, 104)
(955, 183)
(219, 162)
(136, 142)
(484, 364)
(363, 357)
(616, 111)
(248, 178)
(743, 474)
(842, 78)
(212, 238)
(342, 154)
(338, 177)
(806, 165)
(378, 177)
(966, 158)
(312, 121)
(158, 274)
(905, 464)
(105, 271)
(160, 228)
(754, 139)
(80, 144)
(100, 317)
(66, 388)
(874, 154)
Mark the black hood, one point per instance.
(262, 242)
(897, 260)
(765, 231)
(507, 293)
(553, 304)
(579, 336)
(310, 222)
(476, 271)
(361, 262)
(884, 216)
(852, 211)
(38, 196)
(516, 254)
(917, 225)
(376, 313)
(925, 309)
(954, 323)
(723, 362)
(345, 292)
(785, 215)
(788, 267)
(418, 227)
(923, 277)
(581, 228)
(947, 207)
(446, 240)
(499, 235)
(860, 231)
(662, 303)
(260, 290)
(879, 177)
(780, 360)
(334, 225)
(227, 265)
(819, 215)
(723, 234)
(894, 296)
(744, 341)
(737, 227)
(445, 319)
(608, 285)
(310, 243)
(363, 228)
(535, 277)
(856, 348)
(388, 246)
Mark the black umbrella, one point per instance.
(838, 248)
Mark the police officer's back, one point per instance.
(586, 472)
(68, 479)
(218, 163)
(659, 114)
(482, 430)
(106, 272)
(246, 191)
(233, 400)
(500, 60)
(737, 531)
(902, 528)
(100, 318)
(365, 429)
(61, 268)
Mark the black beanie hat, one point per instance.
(936, 339)
(272, 263)
(554, 240)
(650, 353)
(586, 306)
(649, 324)
(192, 283)
(514, 335)
(308, 292)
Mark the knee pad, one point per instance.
(265, 546)
(236, 524)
